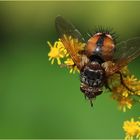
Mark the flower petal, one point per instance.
(58, 61)
(52, 61)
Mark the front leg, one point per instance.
(108, 66)
(84, 60)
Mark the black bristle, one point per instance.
(106, 30)
(89, 33)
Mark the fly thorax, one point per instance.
(93, 75)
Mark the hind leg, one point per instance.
(123, 83)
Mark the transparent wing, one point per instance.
(71, 39)
(65, 27)
(125, 52)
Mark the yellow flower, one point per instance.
(57, 51)
(125, 71)
(74, 43)
(132, 129)
(70, 64)
(124, 92)
(132, 82)
(125, 103)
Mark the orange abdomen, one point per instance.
(105, 49)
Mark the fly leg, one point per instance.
(91, 103)
(123, 83)
(85, 96)
(107, 86)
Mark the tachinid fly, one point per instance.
(101, 57)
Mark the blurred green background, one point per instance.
(40, 100)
